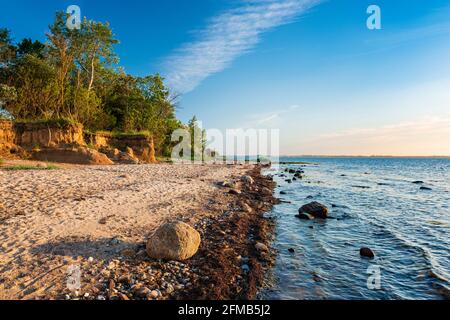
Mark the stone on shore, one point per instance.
(261, 247)
(248, 180)
(246, 207)
(227, 184)
(235, 191)
(315, 209)
(174, 241)
(366, 252)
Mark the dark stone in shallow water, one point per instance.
(418, 182)
(425, 188)
(366, 252)
(304, 216)
(316, 209)
(291, 250)
(283, 192)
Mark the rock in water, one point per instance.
(315, 209)
(425, 188)
(366, 252)
(174, 241)
(304, 216)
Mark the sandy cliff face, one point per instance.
(32, 135)
(66, 142)
(142, 146)
(7, 135)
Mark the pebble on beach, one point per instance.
(261, 247)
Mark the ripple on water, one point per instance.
(407, 229)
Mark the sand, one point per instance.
(50, 220)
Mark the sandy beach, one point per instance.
(98, 219)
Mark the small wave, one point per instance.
(432, 266)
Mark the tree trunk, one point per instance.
(91, 82)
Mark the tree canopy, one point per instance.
(74, 76)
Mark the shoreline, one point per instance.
(238, 270)
(110, 255)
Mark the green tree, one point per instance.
(74, 76)
(28, 46)
(93, 45)
(34, 82)
(7, 49)
(198, 140)
(61, 56)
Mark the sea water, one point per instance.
(374, 203)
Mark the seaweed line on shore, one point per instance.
(229, 260)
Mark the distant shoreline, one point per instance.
(381, 156)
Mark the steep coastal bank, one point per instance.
(97, 219)
(62, 141)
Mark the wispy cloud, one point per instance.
(265, 119)
(228, 36)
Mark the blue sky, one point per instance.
(309, 68)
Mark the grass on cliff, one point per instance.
(28, 168)
(61, 123)
(117, 134)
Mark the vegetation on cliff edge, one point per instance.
(74, 75)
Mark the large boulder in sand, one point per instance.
(315, 209)
(173, 241)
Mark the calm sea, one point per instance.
(376, 205)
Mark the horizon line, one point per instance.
(366, 156)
